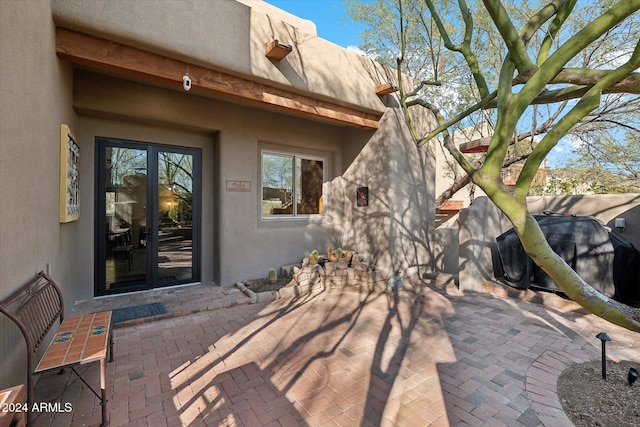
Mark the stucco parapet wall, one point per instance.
(229, 36)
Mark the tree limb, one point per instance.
(511, 37)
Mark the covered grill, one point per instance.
(601, 257)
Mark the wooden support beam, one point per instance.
(277, 51)
(385, 89)
(450, 207)
(127, 61)
(447, 210)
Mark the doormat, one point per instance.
(137, 311)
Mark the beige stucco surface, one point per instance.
(35, 99)
(393, 232)
(230, 36)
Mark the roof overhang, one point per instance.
(132, 63)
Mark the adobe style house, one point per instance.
(158, 142)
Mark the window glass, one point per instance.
(291, 184)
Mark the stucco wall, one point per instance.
(239, 133)
(35, 99)
(482, 222)
(230, 36)
(392, 232)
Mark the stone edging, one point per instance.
(315, 278)
(548, 299)
(284, 292)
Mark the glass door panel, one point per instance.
(175, 211)
(148, 216)
(125, 202)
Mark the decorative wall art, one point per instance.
(362, 196)
(69, 175)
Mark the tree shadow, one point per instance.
(301, 377)
(345, 356)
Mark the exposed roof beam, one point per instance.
(119, 59)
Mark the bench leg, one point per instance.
(111, 344)
(30, 394)
(103, 391)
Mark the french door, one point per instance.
(148, 213)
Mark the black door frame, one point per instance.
(100, 238)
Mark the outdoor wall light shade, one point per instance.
(632, 376)
(603, 337)
(276, 50)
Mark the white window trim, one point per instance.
(295, 153)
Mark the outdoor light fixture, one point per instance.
(620, 224)
(603, 337)
(632, 376)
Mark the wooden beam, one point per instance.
(119, 59)
(385, 89)
(277, 51)
(450, 207)
(477, 146)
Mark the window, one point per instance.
(291, 184)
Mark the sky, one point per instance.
(329, 16)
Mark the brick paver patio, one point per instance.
(345, 358)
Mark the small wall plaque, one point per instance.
(238, 186)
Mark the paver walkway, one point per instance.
(344, 358)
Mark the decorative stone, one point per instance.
(304, 282)
(288, 270)
(339, 281)
(287, 292)
(330, 266)
(267, 296)
(361, 267)
(303, 289)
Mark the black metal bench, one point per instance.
(35, 309)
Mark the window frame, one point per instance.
(296, 154)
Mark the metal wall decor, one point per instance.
(362, 196)
(69, 175)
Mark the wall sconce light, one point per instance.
(186, 83)
(620, 224)
(276, 50)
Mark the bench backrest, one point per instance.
(34, 308)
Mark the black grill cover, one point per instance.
(603, 259)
